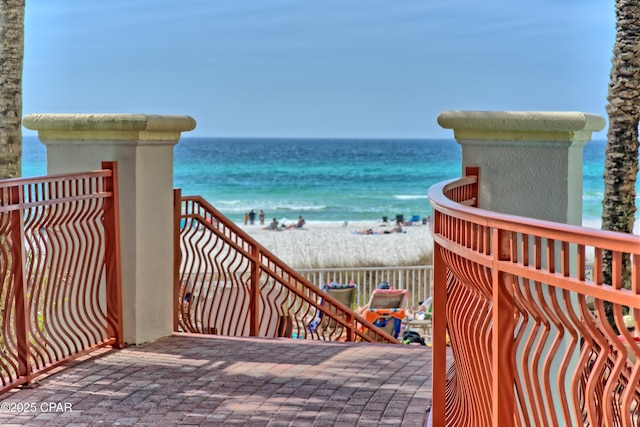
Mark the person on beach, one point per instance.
(298, 224)
(246, 218)
(252, 217)
(381, 285)
(423, 311)
(366, 231)
(261, 217)
(396, 229)
(273, 225)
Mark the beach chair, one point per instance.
(345, 294)
(387, 309)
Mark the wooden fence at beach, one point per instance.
(415, 279)
(60, 294)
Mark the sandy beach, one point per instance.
(334, 244)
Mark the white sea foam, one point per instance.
(592, 223)
(410, 197)
(597, 224)
(241, 206)
(593, 196)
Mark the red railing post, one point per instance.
(113, 268)
(503, 341)
(351, 322)
(18, 256)
(475, 190)
(439, 364)
(254, 297)
(112, 256)
(177, 256)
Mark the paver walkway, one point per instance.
(221, 381)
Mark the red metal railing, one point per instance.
(529, 349)
(60, 291)
(228, 284)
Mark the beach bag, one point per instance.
(411, 337)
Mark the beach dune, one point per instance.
(334, 244)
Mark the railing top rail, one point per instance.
(12, 182)
(604, 239)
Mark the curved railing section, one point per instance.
(532, 345)
(226, 283)
(60, 291)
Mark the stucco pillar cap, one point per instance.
(522, 125)
(127, 127)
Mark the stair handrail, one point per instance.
(355, 326)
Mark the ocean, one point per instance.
(325, 180)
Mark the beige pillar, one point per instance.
(143, 147)
(530, 162)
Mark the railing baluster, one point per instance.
(18, 257)
(178, 296)
(439, 337)
(503, 326)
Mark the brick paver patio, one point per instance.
(220, 381)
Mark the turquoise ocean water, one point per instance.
(324, 180)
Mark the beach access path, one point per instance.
(221, 381)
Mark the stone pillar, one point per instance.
(530, 162)
(143, 147)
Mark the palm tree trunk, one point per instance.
(11, 59)
(621, 161)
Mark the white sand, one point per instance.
(330, 244)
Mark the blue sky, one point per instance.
(302, 68)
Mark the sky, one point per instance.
(317, 69)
